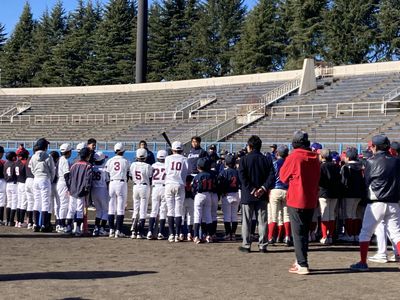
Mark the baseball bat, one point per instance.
(165, 136)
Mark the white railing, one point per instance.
(281, 91)
(197, 101)
(322, 72)
(6, 111)
(124, 118)
(391, 95)
(366, 108)
(50, 119)
(23, 106)
(245, 109)
(164, 116)
(309, 110)
(218, 114)
(88, 119)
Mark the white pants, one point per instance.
(12, 195)
(41, 194)
(3, 195)
(163, 209)
(76, 206)
(277, 200)
(214, 206)
(188, 210)
(63, 193)
(377, 212)
(100, 200)
(328, 209)
(55, 201)
(230, 205)
(141, 194)
(174, 196)
(350, 207)
(157, 197)
(118, 191)
(22, 202)
(29, 193)
(202, 208)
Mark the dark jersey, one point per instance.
(9, 172)
(202, 183)
(228, 181)
(80, 179)
(28, 170)
(20, 170)
(193, 157)
(188, 188)
(2, 169)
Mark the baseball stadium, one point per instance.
(200, 149)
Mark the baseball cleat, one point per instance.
(209, 239)
(96, 231)
(196, 240)
(139, 236)
(378, 258)
(171, 238)
(297, 269)
(177, 239)
(181, 237)
(361, 267)
(119, 234)
(394, 258)
(78, 231)
(102, 232)
(112, 233)
(189, 237)
(30, 226)
(149, 235)
(133, 235)
(160, 236)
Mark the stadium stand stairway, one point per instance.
(328, 128)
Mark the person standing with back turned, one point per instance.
(301, 171)
(257, 176)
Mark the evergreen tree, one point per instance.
(350, 31)
(262, 41)
(303, 20)
(218, 32)
(70, 57)
(114, 54)
(387, 45)
(3, 36)
(17, 70)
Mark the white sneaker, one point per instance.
(189, 237)
(139, 236)
(378, 258)
(149, 235)
(196, 240)
(160, 236)
(96, 231)
(324, 241)
(30, 226)
(112, 233)
(177, 239)
(181, 237)
(119, 234)
(18, 225)
(171, 238)
(394, 258)
(209, 239)
(133, 236)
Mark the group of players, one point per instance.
(184, 191)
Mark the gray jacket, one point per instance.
(42, 165)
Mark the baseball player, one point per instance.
(141, 174)
(2, 187)
(188, 207)
(11, 187)
(229, 183)
(54, 198)
(62, 188)
(382, 177)
(42, 166)
(118, 170)
(202, 189)
(20, 170)
(157, 196)
(29, 194)
(100, 193)
(80, 181)
(176, 167)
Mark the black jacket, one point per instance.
(382, 178)
(255, 171)
(353, 180)
(330, 181)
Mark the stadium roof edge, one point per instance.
(348, 70)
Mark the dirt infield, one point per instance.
(49, 266)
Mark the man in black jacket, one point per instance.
(257, 176)
(382, 178)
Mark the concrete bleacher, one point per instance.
(356, 84)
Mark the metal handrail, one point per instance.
(153, 117)
(393, 94)
(197, 100)
(323, 71)
(216, 113)
(368, 107)
(313, 109)
(280, 91)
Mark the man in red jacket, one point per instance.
(301, 171)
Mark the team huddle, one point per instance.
(184, 192)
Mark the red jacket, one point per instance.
(301, 171)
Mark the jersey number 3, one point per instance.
(117, 166)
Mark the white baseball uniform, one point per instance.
(62, 189)
(118, 169)
(158, 191)
(141, 174)
(100, 194)
(176, 168)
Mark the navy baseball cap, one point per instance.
(380, 140)
(352, 154)
(42, 143)
(202, 163)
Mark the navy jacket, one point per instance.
(330, 182)
(193, 157)
(255, 171)
(80, 179)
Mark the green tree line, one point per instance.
(96, 44)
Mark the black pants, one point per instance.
(300, 220)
